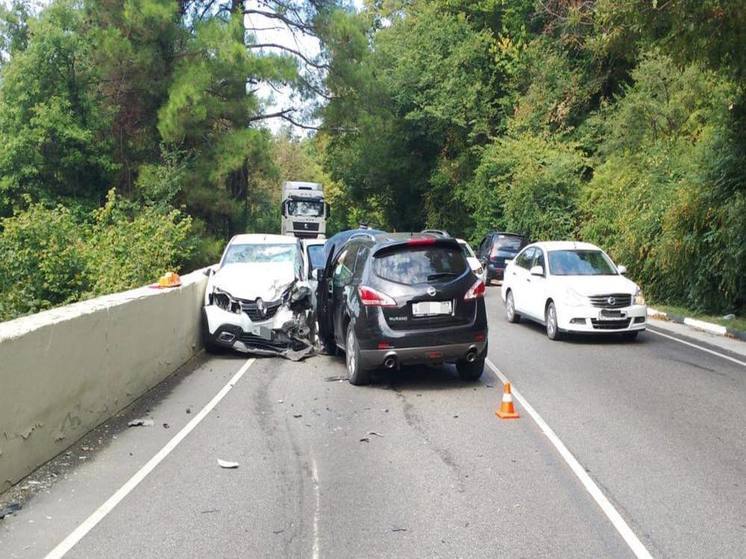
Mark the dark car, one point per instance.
(399, 299)
(495, 249)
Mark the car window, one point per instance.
(411, 266)
(260, 253)
(483, 246)
(345, 266)
(524, 259)
(465, 250)
(362, 256)
(315, 256)
(580, 263)
(539, 259)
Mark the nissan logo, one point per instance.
(611, 300)
(431, 291)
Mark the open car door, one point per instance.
(323, 299)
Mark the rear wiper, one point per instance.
(442, 275)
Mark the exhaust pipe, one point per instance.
(471, 355)
(390, 362)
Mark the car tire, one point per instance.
(550, 321)
(470, 371)
(631, 336)
(356, 374)
(210, 346)
(510, 312)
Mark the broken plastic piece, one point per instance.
(227, 464)
(9, 509)
(141, 422)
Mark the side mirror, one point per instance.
(508, 262)
(537, 271)
(622, 269)
(208, 271)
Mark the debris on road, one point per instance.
(365, 440)
(375, 434)
(9, 510)
(335, 379)
(166, 426)
(395, 529)
(209, 511)
(189, 410)
(297, 415)
(227, 464)
(141, 422)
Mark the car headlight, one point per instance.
(574, 299)
(224, 300)
(639, 299)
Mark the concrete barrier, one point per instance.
(65, 371)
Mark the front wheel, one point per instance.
(470, 371)
(550, 319)
(510, 309)
(357, 375)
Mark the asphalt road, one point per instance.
(416, 465)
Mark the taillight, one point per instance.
(475, 291)
(420, 242)
(372, 298)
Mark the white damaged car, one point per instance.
(257, 299)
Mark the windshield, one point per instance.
(305, 208)
(316, 256)
(580, 263)
(262, 253)
(413, 266)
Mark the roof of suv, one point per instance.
(565, 245)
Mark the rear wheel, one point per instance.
(550, 319)
(470, 371)
(510, 309)
(357, 375)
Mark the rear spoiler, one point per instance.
(417, 242)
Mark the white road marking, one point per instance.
(99, 514)
(602, 501)
(316, 509)
(729, 358)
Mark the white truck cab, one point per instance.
(304, 210)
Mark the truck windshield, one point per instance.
(305, 208)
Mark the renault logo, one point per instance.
(431, 291)
(260, 306)
(611, 300)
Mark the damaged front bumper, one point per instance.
(287, 333)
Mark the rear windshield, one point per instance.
(507, 244)
(420, 265)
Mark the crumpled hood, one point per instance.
(267, 280)
(597, 285)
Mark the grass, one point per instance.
(738, 323)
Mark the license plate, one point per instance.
(611, 314)
(261, 331)
(432, 308)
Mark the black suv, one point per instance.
(495, 249)
(399, 299)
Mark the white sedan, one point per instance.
(572, 287)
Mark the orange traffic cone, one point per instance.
(507, 411)
(169, 279)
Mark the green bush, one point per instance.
(50, 257)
